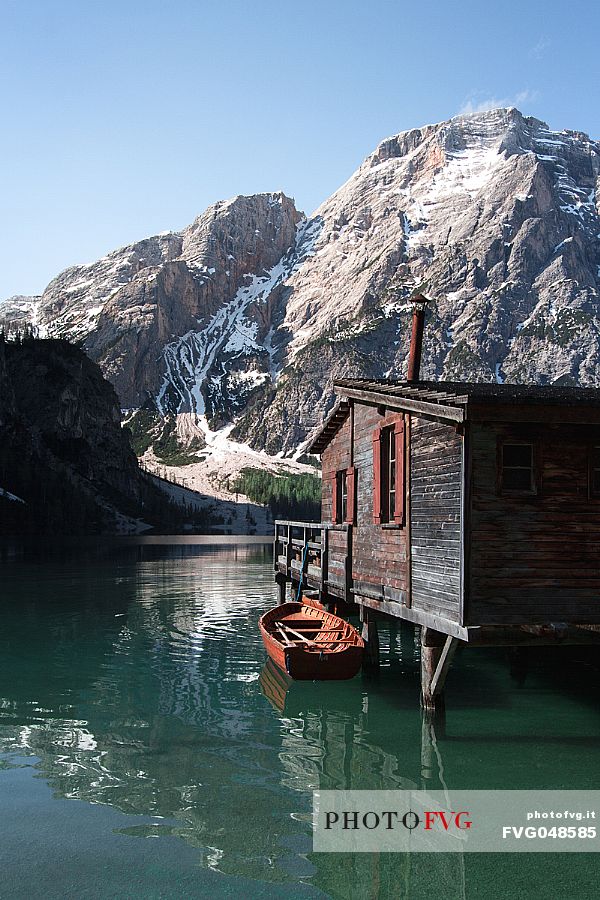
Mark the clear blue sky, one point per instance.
(122, 119)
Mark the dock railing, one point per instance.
(316, 554)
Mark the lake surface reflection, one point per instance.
(135, 704)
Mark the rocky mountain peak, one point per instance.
(252, 226)
(243, 320)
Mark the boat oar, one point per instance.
(282, 625)
(350, 640)
(283, 634)
(327, 641)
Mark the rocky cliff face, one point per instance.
(63, 453)
(156, 314)
(249, 314)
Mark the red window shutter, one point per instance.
(334, 498)
(350, 481)
(400, 509)
(377, 476)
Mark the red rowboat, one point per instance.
(310, 643)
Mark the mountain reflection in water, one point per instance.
(136, 675)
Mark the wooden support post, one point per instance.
(432, 646)
(407, 643)
(348, 581)
(370, 636)
(276, 546)
(324, 562)
(519, 664)
(393, 636)
(288, 551)
(441, 670)
(304, 567)
(281, 581)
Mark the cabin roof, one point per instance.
(449, 400)
(459, 392)
(330, 427)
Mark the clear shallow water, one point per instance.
(140, 756)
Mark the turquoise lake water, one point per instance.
(146, 752)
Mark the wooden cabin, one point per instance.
(472, 510)
(469, 504)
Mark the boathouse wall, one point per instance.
(471, 549)
(436, 521)
(534, 556)
(427, 579)
(378, 552)
(336, 458)
(379, 559)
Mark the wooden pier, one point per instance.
(318, 555)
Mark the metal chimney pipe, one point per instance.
(419, 303)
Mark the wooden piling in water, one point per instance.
(281, 582)
(370, 636)
(432, 646)
(519, 664)
(407, 642)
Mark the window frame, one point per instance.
(389, 474)
(389, 465)
(534, 488)
(343, 496)
(593, 492)
(342, 486)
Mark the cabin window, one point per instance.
(517, 462)
(388, 474)
(343, 496)
(595, 471)
(389, 455)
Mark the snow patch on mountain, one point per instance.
(20, 312)
(229, 333)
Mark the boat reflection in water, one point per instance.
(275, 685)
(141, 684)
(329, 748)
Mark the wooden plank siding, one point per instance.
(335, 458)
(478, 555)
(379, 559)
(436, 518)
(337, 556)
(469, 552)
(534, 558)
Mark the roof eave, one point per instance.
(438, 411)
(329, 428)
